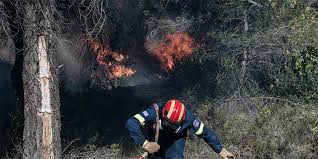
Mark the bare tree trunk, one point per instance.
(41, 134)
(244, 61)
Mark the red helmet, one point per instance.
(174, 111)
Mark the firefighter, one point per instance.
(174, 121)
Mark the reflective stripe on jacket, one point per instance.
(191, 123)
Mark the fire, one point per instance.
(111, 61)
(173, 48)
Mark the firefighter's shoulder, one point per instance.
(148, 115)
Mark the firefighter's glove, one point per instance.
(226, 154)
(151, 147)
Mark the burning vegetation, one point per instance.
(172, 49)
(111, 62)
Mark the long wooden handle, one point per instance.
(145, 154)
(157, 122)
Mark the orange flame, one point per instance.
(111, 61)
(173, 48)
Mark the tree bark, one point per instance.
(41, 136)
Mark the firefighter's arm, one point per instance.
(135, 124)
(209, 136)
(199, 129)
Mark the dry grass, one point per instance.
(264, 127)
(252, 128)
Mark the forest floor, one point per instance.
(260, 127)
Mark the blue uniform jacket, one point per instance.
(191, 123)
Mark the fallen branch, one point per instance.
(256, 4)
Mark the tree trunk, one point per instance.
(244, 61)
(41, 134)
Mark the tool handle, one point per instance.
(155, 105)
(143, 156)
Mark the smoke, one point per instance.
(77, 67)
(80, 70)
(71, 64)
(69, 59)
(144, 76)
(7, 53)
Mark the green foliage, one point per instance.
(280, 42)
(301, 79)
(301, 68)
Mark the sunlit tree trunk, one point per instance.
(41, 136)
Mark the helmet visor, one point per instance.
(169, 126)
